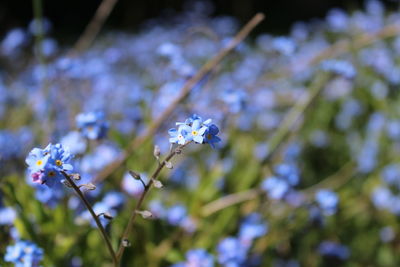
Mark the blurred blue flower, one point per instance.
(393, 129)
(327, 200)
(391, 175)
(338, 20)
(157, 209)
(252, 227)
(24, 254)
(110, 205)
(197, 258)
(39, 26)
(285, 263)
(387, 234)
(235, 99)
(340, 67)
(176, 214)
(276, 188)
(13, 41)
(74, 142)
(92, 125)
(132, 186)
(350, 108)
(7, 215)
(231, 252)
(289, 172)
(284, 45)
(333, 250)
(102, 155)
(48, 47)
(382, 198)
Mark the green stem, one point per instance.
(138, 205)
(295, 113)
(94, 215)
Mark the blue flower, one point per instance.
(211, 135)
(197, 258)
(198, 131)
(51, 176)
(231, 252)
(333, 250)
(337, 20)
(339, 67)
(235, 99)
(289, 172)
(45, 165)
(75, 143)
(37, 159)
(276, 188)
(92, 125)
(284, 45)
(387, 234)
(14, 40)
(176, 214)
(7, 215)
(132, 186)
(252, 228)
(180, 136)
(195, 129)
(111, 204)
(327, 200)
(59, 157)
(24, 254)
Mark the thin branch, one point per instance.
(184, 92)
(138, 205)
(95, 217)
(229, 200)
(293, 115)
(336, 180)
(95, 25)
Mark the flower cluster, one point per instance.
(195, 129)
(24, 254)
(45, 165)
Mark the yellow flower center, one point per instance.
(209, 136)
(58, 162)
(194, 132)
(52, 173)
(39, 162)
(180, 137)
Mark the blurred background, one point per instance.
(307, 168)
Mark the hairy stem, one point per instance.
(95, 217)
(138, 205)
